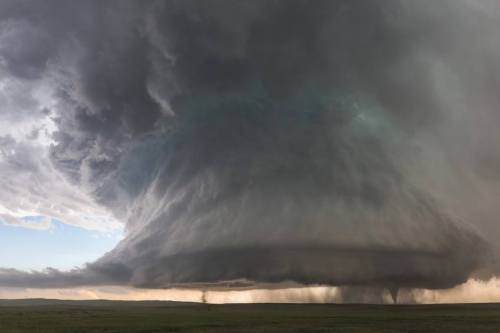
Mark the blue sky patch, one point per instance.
(61, 246)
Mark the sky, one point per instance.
(335, 148)
(59, 245)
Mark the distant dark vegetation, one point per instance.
(39, 316)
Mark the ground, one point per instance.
(38, 316)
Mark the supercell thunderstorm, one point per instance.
(266, 141)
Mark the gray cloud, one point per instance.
(31, 187)
(272, 140)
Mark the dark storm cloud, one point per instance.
(260, 140)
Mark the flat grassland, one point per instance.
(42, 316)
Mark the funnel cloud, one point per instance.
(340, 142)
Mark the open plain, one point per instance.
(46, 316)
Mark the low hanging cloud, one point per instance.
(473, 291)
(247, 142)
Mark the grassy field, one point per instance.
(37, 316)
